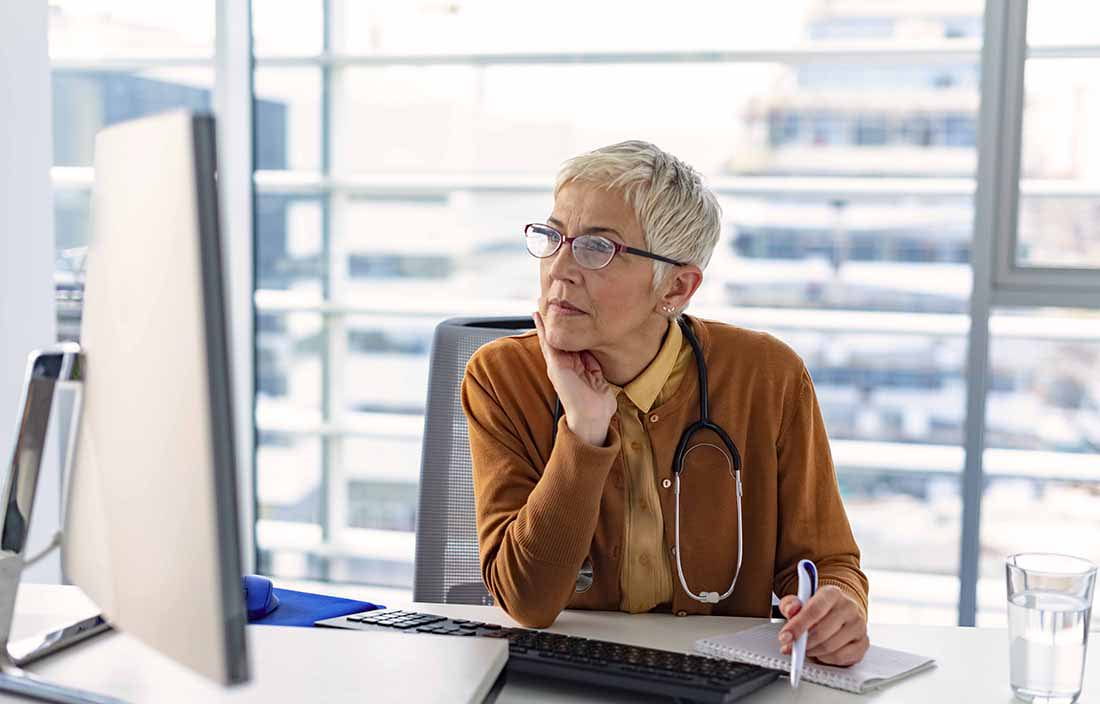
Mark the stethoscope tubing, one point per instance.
(734, 458)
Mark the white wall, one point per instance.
(26, 241)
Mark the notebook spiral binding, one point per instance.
(783, 664)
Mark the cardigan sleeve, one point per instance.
(812, 521)
(535, 525)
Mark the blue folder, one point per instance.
(303, 608)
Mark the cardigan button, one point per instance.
(654, 418)
(666, 483)
(681, 613)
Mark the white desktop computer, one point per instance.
(151, 529)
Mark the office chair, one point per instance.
(447, 567)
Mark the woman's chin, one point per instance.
(564, 338)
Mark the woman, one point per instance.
(573, 428)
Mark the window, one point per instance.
(1042, 462)
(399, 148)
(413, 167)
(113, 62)
(1059, 214)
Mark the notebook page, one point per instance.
(760, 646)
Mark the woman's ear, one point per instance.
(682, 283)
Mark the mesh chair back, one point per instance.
(447, 567)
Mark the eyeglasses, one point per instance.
(590, 251)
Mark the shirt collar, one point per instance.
(645, 387)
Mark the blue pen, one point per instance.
(807, 587)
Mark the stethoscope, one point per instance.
(733, 458)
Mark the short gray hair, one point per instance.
(679, 215)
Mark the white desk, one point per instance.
(288, 664)
(972, 663)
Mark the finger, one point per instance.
(591, 364)
(815, 609)
(552, 355)
(848, 655)
(538, 327)
(540, 330)
(789, 605)
(828, 631)
(826, 628)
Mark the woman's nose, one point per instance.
(562, 264)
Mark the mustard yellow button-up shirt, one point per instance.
(646, 573)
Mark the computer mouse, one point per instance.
(259, 596)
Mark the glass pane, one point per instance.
(906, 254)
(289, 503)
(1060, 152)
(1020, 515)
(768, 119)
(908, 527)
(288, 118)
(71, 213)
(289, 244)
(387, 364)
(382, 474)
(896, 388)
(476, 26)
(104, 28)
(71, 218)
(1044, 369)
(85, 102)
(442, 247)
(1043, 438)
(289, 352)
(1063, 22)
(1059, 232)
(281, 28)
(288, 475)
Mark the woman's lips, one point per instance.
(563, 308)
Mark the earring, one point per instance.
(667, 309)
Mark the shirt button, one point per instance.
(643, 560)
(635, 445)
(681, 613)
(654, 418)
(666, 483)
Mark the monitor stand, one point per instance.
(46, 368)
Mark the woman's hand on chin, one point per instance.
(586, 397)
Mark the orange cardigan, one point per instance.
(543, 511)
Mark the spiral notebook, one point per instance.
(760, 646)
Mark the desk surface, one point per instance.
(972, 663)
(288, 664)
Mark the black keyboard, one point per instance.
(598, 662)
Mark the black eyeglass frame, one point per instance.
(619, 248)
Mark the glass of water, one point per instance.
(1049, 601)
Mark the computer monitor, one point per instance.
(151, 528)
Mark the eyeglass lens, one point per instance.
(590, 251)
